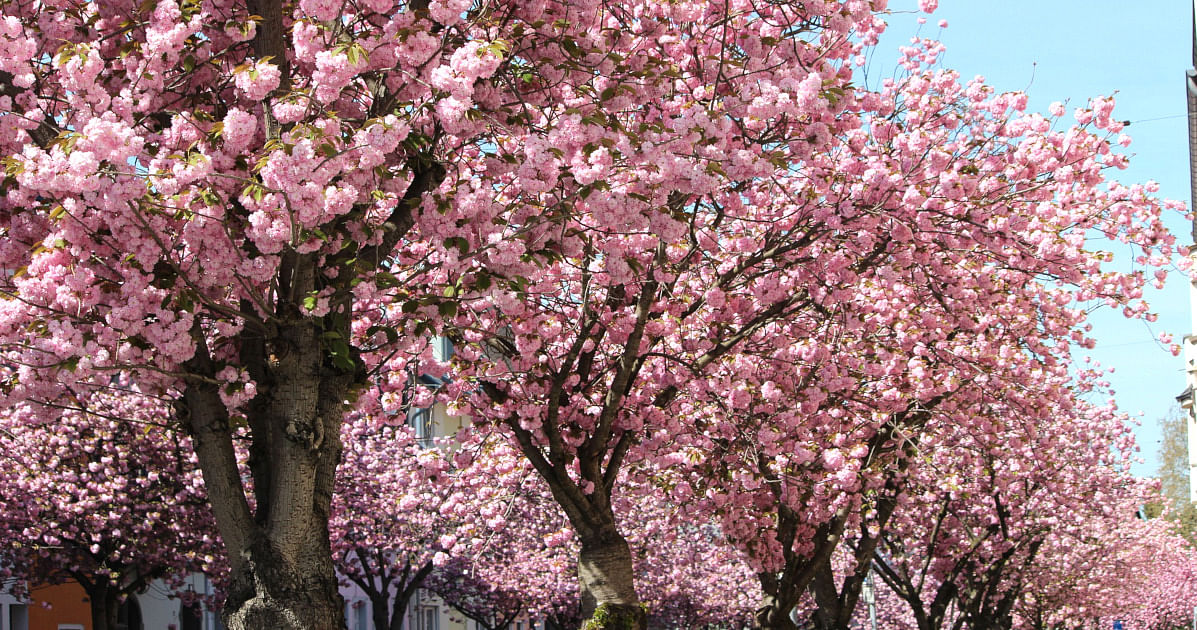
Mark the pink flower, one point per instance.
(258, 80)
(833, 459)
(240, 127)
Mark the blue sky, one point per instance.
(1069, 50)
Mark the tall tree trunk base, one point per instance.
(605, 578)
(770, 617)
(617, 617)
(267, 612)
(269, 593)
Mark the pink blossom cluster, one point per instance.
(96, 490)
(707, 292)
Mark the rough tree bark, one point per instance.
(281, 562)
(605, 578)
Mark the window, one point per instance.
(128, 616)
(442, 349)
(211, 617)
(421, 421)
(357, 615)
(422, 616)
(425, 618)
(18, 617)
(191, 616)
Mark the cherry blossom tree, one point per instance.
(448, 516)
(582, 359)
(519, 565)
(1138, 571)
(688, 575)
(986, 506)
(213, 196)
(101, 491)
(387, 522)
(814, 418)
(257, 209)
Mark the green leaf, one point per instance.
(391, 334)
(355, 52)
(572, 48)
(343, 363)
(13, 166)
(461, 243)
(386, 280)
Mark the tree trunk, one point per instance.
(380, 610)
(405, 592)
(102, 600)
(281, 567)
(774, 615)
(270, 591)
(606, 582)
(828, 605)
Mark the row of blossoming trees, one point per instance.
(732, 325)
(984, 533)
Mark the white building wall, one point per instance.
(160, 608)
(426, 611)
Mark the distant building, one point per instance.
(1186, 398)
(14, 612)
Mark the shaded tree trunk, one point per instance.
(282, 573)
(102, 600)
(774, 614)
(387, 613)
(106, 593)
(930, 617)
(836, 605)
(829, 608)
(783, 590)
(606, 582)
